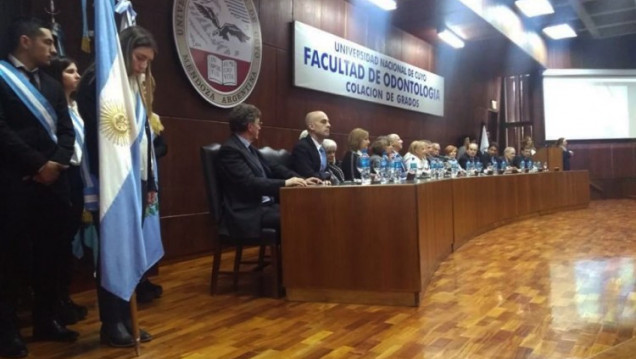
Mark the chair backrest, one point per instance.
(281, 157)
(209, 155)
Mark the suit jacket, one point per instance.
(465, 159)
(25, 146)
(349, 166)
(243, 186)
(306, 159)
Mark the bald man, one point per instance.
(309, 157)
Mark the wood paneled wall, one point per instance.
(191, 122)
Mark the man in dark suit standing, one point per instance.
(36, 145)
(309, 157)
(249, 183)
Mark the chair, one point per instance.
(281, 157)
(269, 237)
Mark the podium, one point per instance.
(553, 156)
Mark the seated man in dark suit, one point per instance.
(470, 156)
(248, 182)
(525, 158)
(309, 157)
(491, 158)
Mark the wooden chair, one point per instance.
(269, 237)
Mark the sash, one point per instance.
(91, 197)
(150, 223)
(30, 97)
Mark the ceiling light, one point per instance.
(561, 31)
(532, 8)
(386, 5)
(451, 39)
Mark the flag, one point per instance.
(123, 255)
(483, 143)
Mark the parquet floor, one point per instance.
(557, 286)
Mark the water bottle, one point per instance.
(413, 168)
(365, 167)
(503, 166)
(529, 166)
(469, 168)
(493, 165)
(397, 170)
(384, 169)
(454, 168)
(479, 167)
(522, 165)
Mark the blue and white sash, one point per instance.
(91, 197)
(31, 97)
(151, 226)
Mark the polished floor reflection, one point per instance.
(556, 286)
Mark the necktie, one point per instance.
(323, 158)
(257, 159)
(31, 76)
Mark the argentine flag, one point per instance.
(122, 249)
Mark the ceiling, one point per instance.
(592, 19)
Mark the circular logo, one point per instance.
(220, 47)
(114, 124)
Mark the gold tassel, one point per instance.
(86, 44)
(155, 123)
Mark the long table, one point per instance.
(381, 244)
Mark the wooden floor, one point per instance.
(558, 286)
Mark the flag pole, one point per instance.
(135, 323)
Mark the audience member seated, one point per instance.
(470, 157)
(309, 158)
(491, 158)
(462, 149)
(525, 158)
(337, 176)
(509, 156)
(248, 182)
(380, 147)
(451, 152)
(435, 151)
(527, 142)
(358, 139)
(417, 155)
(396, 143)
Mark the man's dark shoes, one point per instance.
(116, 335)
(144, 336)
(12, 346)
(70, 312)
(53, 330)
(147, 291)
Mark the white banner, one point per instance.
(327, 63)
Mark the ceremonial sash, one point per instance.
(91, 198)
(31, 98)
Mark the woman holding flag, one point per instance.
(116, 275)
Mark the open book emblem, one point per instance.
(220, 47)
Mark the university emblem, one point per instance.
(220, 47)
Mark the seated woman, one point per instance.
(379, 147)
(417, 155)
(358, 139)
(450, 152)
(337, 176)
